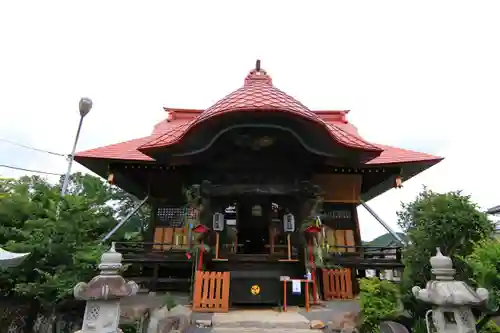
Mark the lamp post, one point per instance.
(84, 107)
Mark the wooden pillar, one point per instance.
(148, 235)
(357, 238)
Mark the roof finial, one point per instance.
(258, 75)
(257, 65)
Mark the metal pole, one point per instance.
(125, 220)
(382, 222)
(71, 157)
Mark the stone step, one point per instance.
(260, 319)
(262, 330)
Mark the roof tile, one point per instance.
(120, 151)
(393, 155)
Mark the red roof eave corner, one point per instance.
(394, 155)
(411, 163)
(127, 150)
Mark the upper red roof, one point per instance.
(259, 95)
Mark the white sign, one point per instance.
(296, 287)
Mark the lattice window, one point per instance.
(174, 217)
(92, 313)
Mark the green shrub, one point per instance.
(419, 326)
(169, 301)
(129, 327)
(483, 262)
(379, 300)
(490, 327)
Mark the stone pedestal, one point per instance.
(103, 294)
(452, 300)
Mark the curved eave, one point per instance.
(100, 166)
(176, 135)
(408, 171)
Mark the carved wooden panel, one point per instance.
(339, 187)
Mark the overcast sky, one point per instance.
(420, 75)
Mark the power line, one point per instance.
(29, 170)
(32, 148)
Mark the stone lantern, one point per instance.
(103, 294)
(452, 300)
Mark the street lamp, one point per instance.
(84, 106)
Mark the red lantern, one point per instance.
(111, 178)
(398, 182)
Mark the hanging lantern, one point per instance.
(257, 210)
(218, 222)
(111, 178)
(289, 222)
(398, 183)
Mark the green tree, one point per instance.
(450, 221)
(63, 235)
(100, 193)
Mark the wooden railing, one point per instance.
(211, 292)
(366, 257)
(337, 283)
(148, 252)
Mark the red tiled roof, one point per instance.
(393, 155)
(259, 95)
(119, 151)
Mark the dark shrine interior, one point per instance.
(253, 216)
(253, 226)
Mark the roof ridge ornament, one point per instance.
(258, 75)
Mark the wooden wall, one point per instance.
(342, 188)
(341, 227)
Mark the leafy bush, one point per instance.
(483, 262)
(379, 300)
(490, 327)
(419, 326)
(130, 327)
(170, 301)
